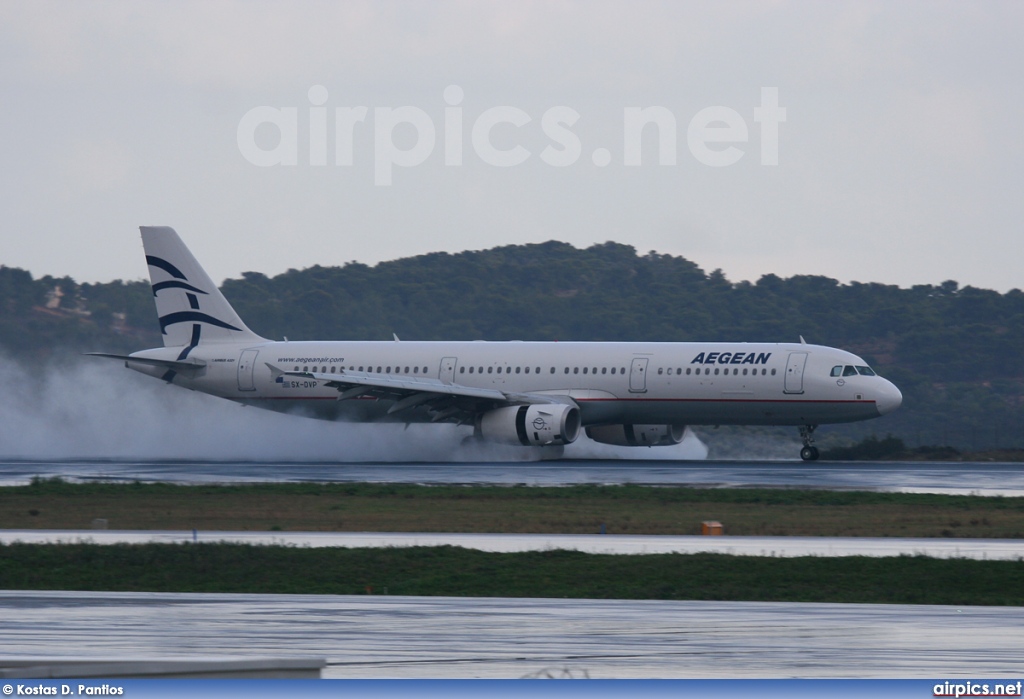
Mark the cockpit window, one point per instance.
(837, 371)
(866, 371)
(849, 371)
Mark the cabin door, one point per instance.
(447, 374)
(638, 375)
(246, 364)
(795, 372)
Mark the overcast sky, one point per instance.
(899, 159)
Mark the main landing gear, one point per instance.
(809, 452)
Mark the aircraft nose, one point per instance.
(889, 398)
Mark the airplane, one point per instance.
(534, 394)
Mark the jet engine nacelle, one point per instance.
(637, 435)
(531, 425)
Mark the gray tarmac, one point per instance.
(438, 637)
(938, 477)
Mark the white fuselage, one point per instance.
(611, 382)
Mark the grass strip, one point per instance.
(584, 509)
(453, 571)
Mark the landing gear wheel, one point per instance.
(809, 453)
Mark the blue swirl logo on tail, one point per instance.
(176, 285)
(159, 262)
(193, 316)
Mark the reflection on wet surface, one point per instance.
(446, 637)
(783, 546)
(951, 477)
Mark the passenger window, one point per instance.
(415, 370)
(837, 371)
(296, 368)
(584, 370)
(575, 370)
(604, 370)
(613, 370)
(566, 370)
(716, 371)
(660, 371)
(471, 370)
(849, 371)
(490, 370)
(735, 372)
(305, 367)
(744, 372)
(866, 371)
(526, 370)
(773, 372)
(334, 369)
(537, 370)
(462, 370)
(687, 371)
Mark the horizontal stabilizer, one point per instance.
(187, 369)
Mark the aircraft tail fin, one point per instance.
(191, 309)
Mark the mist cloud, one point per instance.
(97, 409)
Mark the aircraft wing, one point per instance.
(446, 401)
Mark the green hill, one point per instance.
(955, 352)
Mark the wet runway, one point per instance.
(782, 546)
(437, 637)
(943, 477)
(492, 638)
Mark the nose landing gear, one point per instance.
(809, 452)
